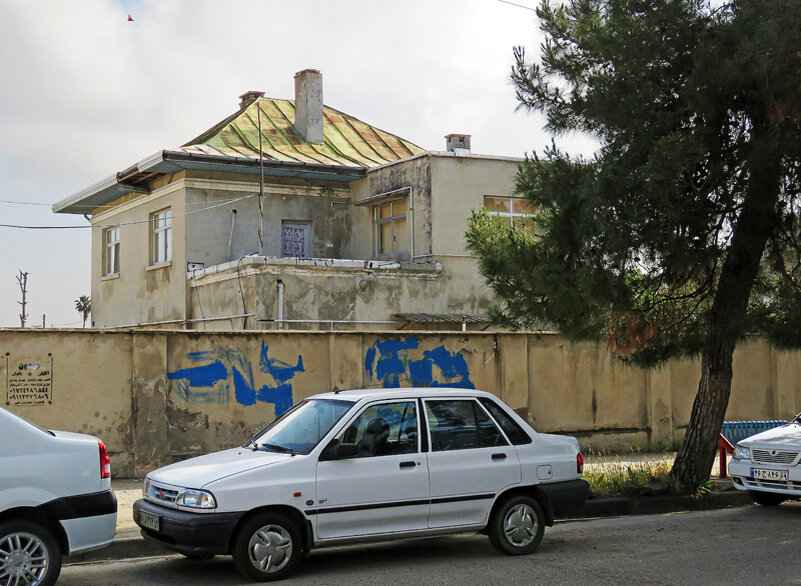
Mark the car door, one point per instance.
(469, 461)
(384, 488)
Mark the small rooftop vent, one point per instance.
(248, 98)
(457, 143)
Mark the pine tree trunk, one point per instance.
(697, 453)
(756, 222)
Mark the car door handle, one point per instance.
(499, 456)
(407, 464)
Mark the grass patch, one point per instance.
(630, 478)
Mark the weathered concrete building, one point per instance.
(356, 227)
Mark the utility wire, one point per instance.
(123, 223)
(91, 207)
(518, 5)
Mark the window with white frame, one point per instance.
(161, 237)
(517, 210)
(391, 228)
(111, 251)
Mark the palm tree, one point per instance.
(84, 305)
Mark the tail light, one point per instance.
(579, 463)
(105, 463)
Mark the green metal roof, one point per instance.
(350, 147)
(347, 140)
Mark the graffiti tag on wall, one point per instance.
(225, 372)
(389, 361)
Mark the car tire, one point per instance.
(268, 547)
(767, 499)
(517, 525)
(30, 551)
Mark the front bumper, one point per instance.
(188, 533)
(743, 478)
(566, 497)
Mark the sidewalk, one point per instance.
(128, 543)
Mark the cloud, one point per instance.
(87, 93)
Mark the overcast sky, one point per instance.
(85, 93)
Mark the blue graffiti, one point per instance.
(231, 370)
(389, 360)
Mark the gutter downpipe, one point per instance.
(280, 319)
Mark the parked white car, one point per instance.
(767, 464)
(366, 465)
(55, 500)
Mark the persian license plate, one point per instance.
(149, 521)
(765, 474)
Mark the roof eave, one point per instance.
(164, 162)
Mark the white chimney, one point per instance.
(458, 144)
(309, 105)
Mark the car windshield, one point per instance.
(301, 428)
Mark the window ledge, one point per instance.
(110, 277)
(160, 265)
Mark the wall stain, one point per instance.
(388, 360)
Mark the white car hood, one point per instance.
(787, 436)
(198, 472)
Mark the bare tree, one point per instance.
(22, 279)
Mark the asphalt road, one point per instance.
(731, 546)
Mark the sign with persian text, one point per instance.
(29, 381)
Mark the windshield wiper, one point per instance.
(249, 442)
(277, 448)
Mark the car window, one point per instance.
(302, 427)
(384, 429)
(509, 426)
(461, 425)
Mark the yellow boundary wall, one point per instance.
(159, 396)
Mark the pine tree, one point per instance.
(682, 235)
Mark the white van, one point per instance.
(55, 499)
(366, 465)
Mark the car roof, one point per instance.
(399, 393)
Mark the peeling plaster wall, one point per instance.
(317, 293)
(324, 206)
(414, 173)
(140, 293)
(155, 397)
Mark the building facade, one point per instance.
(337, 225)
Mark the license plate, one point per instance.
(149, 521)
(765, 474)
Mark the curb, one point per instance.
(618, 506)
(136, 547)
(120, 549)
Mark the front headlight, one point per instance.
(146, 488)
(196, 499)
(741, 453)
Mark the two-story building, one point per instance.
(291, 214)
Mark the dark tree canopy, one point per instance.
(682, 235)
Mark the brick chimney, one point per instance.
(458, 144)
(248, 98)
(309, 105)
